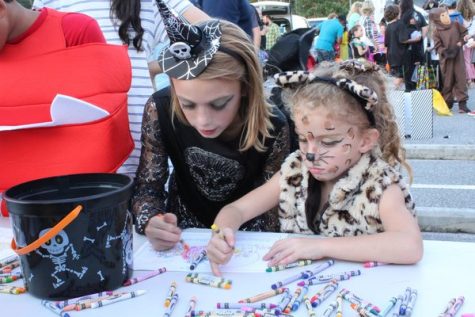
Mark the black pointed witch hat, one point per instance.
(191, 46)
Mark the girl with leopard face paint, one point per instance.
(344, 182)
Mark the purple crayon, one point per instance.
(144, 277)
(455, 308)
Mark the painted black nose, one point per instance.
(310, 157)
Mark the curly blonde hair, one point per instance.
(254, 111)
(345, 106)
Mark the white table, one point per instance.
(446, 271)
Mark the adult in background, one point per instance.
(467, 10)
(35, 43)
(414, 56)
(354, 16)
(237, 11)
(273, 32)
(214, 124)
(137, 24)
(331, 33)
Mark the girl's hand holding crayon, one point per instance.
(220, 248)
(163, 232)
(293, 249)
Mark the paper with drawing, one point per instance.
(250, 248)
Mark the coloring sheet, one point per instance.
(247, 258)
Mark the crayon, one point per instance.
(284, 301)
(398, 306)
(135, 280)
(288, 308)
(215, 229)
(455, 308)
(171, 292)
(339, 305)
(9, 260)
(201, 256)
(85, 304)
(12, 290)
(245, 305)
(9, 279)
(407, 296)
(412, 302)
(289, 280)
(329, 310)
(18, 274)
(317, 269)
(387, 309)
(209, 281)
(170, 308)
(324, 279)
(263, 296)
(310, 311)
(299, 299)
(70, 301)
(276, 268)
(371, 264)
(8, 268)
(191, 307)
(352, 298)
(54, 309)
(121, 297)
(361, 310)
(468, 315)
(327, 291)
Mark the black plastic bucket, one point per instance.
(90, 248)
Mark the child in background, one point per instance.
(380, 55)
(358, 47)
(448, 40)
(344, 182)
(395, 48)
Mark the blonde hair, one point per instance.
(345, 106)
(467, 9)
(367, 8)
(356, 7)
(255, 112)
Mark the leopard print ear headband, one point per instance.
(367, 97)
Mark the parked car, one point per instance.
(315, 22)
(281, 14)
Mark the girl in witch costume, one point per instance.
(344, 182)
(214, 125)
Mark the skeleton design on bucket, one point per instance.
(58, 248)
(126, 238)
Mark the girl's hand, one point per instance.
(220, 249)
(294, 249)
(162, 231)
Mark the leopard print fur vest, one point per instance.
(353, 203)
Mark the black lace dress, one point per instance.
(207, 174)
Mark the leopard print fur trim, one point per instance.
(353, 202)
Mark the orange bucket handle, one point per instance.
(48, 235)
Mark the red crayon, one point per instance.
(373, 264)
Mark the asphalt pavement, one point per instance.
(444, 176)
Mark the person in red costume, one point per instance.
(45, 53)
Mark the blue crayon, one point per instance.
(317, 269)
(284, 301)
(407, 296)
(398, 306)
(299, 299)
(170, 308)
(201, 256)
(289, 280)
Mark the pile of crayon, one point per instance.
(209, 280)
(92, 301)
(7, 275)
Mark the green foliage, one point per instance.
(26, 3)
(318, 8)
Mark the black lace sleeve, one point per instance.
(150, 196)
